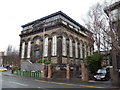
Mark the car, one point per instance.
(3, 69)
(102, 74)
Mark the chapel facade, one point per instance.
(57, 38)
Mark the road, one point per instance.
(26, 82)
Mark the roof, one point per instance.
(112, 7)
(54, 14)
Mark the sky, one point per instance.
(15, 13)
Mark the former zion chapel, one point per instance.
(57, 38)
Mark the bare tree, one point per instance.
(98, 23)
(12, 56)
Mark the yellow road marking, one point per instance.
(70, 84)
(61, 83)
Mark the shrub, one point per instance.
(45, 61)
(40, 61)
(94, 62)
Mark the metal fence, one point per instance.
(28, 73)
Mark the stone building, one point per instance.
(113, 12)
(57, 38)
(1, 58)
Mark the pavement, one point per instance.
(75, 81)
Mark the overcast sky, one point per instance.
(14, 13)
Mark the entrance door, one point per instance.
(36, 55)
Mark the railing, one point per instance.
(36, 74)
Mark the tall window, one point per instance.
(81, 51)
(23, 50)
(91, 50)
(88, 51)
(70, 48)
(54, 45)
(64, 46)
(85, 53)
(46, 47)
(76, 49)
(29, 49)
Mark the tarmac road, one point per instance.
(19, 82)
(8, 82)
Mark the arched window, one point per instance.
(54, 45)
(37, 41)
(29, 49)
(76, 49)
(81, 51)
(23, 50)
(85, 53)
(70, 48)
(46, 47)
(64, 46)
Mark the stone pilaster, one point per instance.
(78, 51)
(83, 51)
(67, 51)
(41, 48)
(49, 48)
(59, 49)
(20, 48)
(25, 55)
(32, 52)
(73, 52)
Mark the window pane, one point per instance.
(70, 48)
(37, 54)
(23, 50)
(81, 51)
(46, 46)
(54, 45)
(64, 46)
(76, 49)
(88, 51)
(84, 50)
(29, 49)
